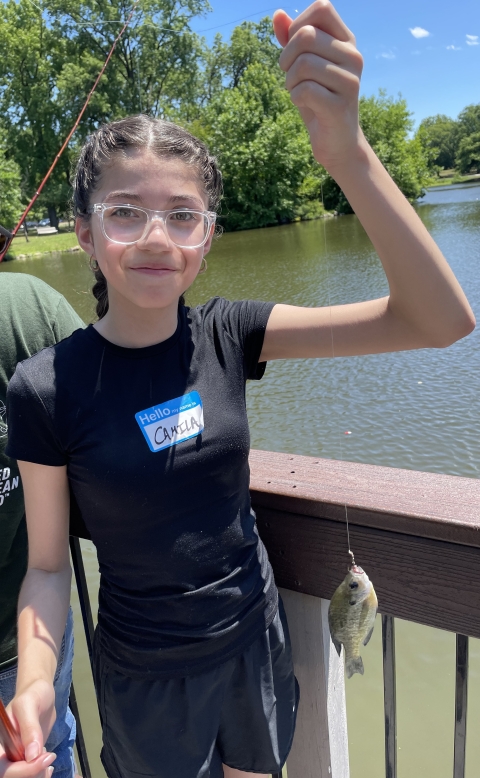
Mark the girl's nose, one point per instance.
(156, 233)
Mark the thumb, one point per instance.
(27, 719)
(281, 26)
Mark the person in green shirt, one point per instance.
(32, 317)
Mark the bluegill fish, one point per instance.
(351, 617)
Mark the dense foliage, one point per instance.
(10, 192)
(230, 93)
(453, 143)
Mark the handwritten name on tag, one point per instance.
(172, 422)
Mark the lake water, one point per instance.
(417, 410)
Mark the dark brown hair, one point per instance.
(165, 139)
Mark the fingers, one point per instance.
(320, 14)
(309, 40)
(39, 768)
(281, 25)
(34, 715)
(309, 69)
(30, 730)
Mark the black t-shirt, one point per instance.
(156, 444)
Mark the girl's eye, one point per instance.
(354, 585)
(124, 213)
(183, 216)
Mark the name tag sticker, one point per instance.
(172, 422)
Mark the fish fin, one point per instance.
(354, 665)
(337, 645)
(368, 636)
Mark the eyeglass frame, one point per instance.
(9, 236)
(101, 207)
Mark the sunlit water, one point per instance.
(417, 410)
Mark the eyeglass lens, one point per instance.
(127, 225)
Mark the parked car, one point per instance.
(31, 225)
(44, 223)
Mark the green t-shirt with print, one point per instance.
(32, 316)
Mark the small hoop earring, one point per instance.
(203, 266)
(93, 263)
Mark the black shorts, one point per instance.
(241, 713)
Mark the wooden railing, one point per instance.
(421, 528)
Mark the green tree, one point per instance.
(11, 205)
(263, 150)
(252, 43)
(469, 120)
(439, 136)
(468, 155)
(51, 59)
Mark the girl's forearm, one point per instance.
(423, 290)
(42, 615)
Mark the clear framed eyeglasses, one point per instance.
(127, 224)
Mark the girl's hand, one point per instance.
(33, 714)
(323, 70)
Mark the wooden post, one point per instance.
(320, 746)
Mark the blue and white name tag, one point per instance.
(172, 422)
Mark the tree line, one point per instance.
(453, 143)
(231, 94)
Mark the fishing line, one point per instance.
(350, 552)
(99, 23)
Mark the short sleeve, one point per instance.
(66, 321)
(30, 432)
(246, 322)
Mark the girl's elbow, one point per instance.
(459, 329)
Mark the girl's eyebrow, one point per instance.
(127, 196)
(183, 197)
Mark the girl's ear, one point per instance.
(84, 236)
(281, 26)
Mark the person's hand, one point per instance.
(33, 715)
(323, 70)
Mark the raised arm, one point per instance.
(42, 614)
(426, 306)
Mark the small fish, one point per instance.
(351, 617)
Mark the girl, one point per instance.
(143, 416)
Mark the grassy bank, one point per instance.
(42, 244)
(451, 180)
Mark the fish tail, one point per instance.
(353, 665)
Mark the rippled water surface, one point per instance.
(417, 410)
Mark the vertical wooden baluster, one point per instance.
(390, 696)
(461, 694)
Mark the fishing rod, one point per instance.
(68, 138)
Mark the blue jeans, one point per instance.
(62, 737)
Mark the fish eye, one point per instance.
(354, 585)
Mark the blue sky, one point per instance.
(436, 68)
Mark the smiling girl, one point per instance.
(142, 415)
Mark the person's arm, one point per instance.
(426, 307)
(42, 613)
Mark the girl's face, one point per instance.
(152, 273)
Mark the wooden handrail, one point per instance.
(416, 534)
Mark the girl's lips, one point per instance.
(153, 271)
